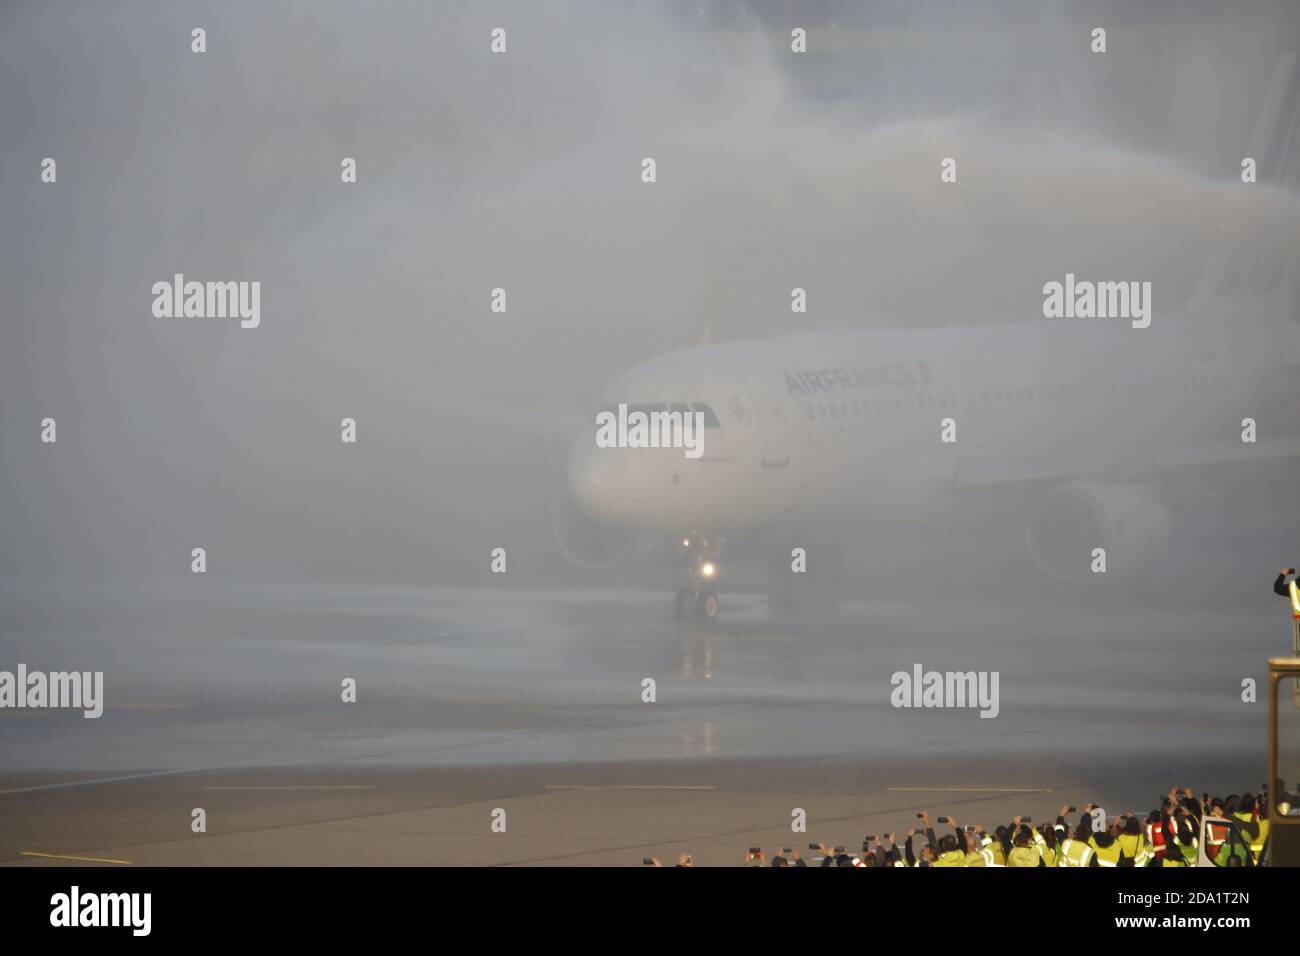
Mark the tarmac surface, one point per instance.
(473, 700)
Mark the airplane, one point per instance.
(1090, 412)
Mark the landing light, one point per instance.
(707, 569)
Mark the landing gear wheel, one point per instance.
(684, 605)
(706, 608)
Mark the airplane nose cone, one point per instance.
(592, 481)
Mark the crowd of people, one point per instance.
(1170, 836)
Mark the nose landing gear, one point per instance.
(693, 605)
(699, 602)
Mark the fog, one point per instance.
(522, 171)
(349, 643)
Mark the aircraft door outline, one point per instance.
(772, 413)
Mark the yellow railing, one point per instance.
(1284, 822)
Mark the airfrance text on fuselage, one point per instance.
(854, 379)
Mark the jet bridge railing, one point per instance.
(1284, 761)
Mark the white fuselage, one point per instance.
(803, 428)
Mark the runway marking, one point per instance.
(78, 859)
(970, 789)
(341, 787)
(90, 783)
(629, 786)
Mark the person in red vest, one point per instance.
(1156, 835)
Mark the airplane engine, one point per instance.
(587, 542)
(1068, 522)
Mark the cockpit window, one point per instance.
(710, 419)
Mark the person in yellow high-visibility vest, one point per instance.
(950, 852)
(1133, 842)
(1107, 848)
(1023, 852)
(970, 844)
(1076, 851)
(1253, 817)
(1045, 844)
(1289, 589)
